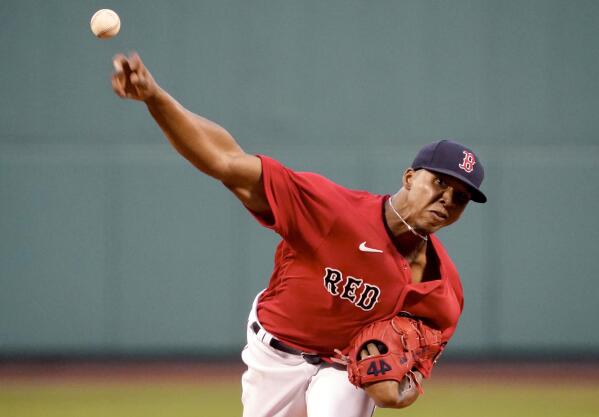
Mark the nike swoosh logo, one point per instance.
(365, 248)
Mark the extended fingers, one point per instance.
(130, 78)
(135, 62)
(139, 79)
(118, 86)
(369, 350)
(364, 354)
(124, 75)
(119, 61)
(372, 349)
(139, 74)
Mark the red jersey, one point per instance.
(337, 268)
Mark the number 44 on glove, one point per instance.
(404, 343)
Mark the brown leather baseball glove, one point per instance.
(403, 343)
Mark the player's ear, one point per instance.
(408, 178)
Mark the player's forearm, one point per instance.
(202, 142)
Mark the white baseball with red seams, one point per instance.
(105, 23)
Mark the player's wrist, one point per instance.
(156, 97)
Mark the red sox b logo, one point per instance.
(468, 162)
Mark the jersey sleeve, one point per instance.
(303, 205)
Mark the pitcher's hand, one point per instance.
(131, 79)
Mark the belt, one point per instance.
(278, 345)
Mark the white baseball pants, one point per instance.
(279, 384)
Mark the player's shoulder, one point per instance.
(357, 198)
(334, 185)
(320, 183)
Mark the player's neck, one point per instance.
(409, 245)
(398, 218)
(405, 238)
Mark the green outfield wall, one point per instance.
(110, 243)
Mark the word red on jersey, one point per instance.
(346, 287)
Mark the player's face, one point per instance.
(436, 200)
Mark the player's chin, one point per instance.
(433, 226)
(431, 230)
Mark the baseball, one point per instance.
(105, 23)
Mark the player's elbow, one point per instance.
(386, 403)
(387, 394)
(408, 400)
(394, 402)
(219, 166)
(394, 398)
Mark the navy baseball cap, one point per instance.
(456, 160)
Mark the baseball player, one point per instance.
(346, 259)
